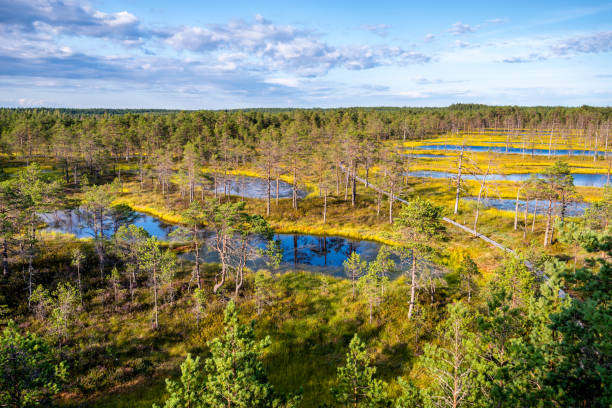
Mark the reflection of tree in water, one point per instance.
(312, 250)
(81, 222)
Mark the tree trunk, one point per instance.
(325, 207)
(535, 213)
(277, 187)
(346, 183)
(391, 206)
(268, 181)
(548, 218)
(294, 188)
(458, 181)
(5, 258)
(353, 187)
(197, 258)
(525, 217)
(156, 324)
(412, 285)
(516, 208)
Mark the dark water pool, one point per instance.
(585, 180)
(254, 187)
(79, 223)
(507, 204)
(320, 254)
(324, 254)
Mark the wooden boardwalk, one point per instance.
(462, 227)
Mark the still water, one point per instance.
(324, 254)
(580, 179)
(79, 223)
(511, 150)
(254, 187)
(508, 204)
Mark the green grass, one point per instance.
(310, 318)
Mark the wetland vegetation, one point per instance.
(306, 258)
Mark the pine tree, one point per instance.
(371, 286)
(468, 272)
(581, 369)
(411, 396)
(450, 364)
(235, 373)
(190, 390)
(357, 386)
(232, 377)
(159, 266)
(29, 374)
(354, 268)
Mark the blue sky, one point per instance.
(235, 54)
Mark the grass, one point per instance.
(362, 223)
(310, 320)
(121, 362)
(500, 137)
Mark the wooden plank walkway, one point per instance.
(460, 226)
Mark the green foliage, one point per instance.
(500, 326)
(515, 280)
(411, 397)
(29, 373)
(598, 215)
(159, 266)
(273, 254)
(190, 391)
(356, 382)
(233, 375)
(421, 220)
(372, 284)
(451, 363)
(59, 308)
(582, 371)
(354, 268)
(468, 273)
(199, 304)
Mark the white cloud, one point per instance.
(378, 29)
(585, 44)
(594, 43)
(461, 28)
(70, 18)
(287, 48)
(291, 82)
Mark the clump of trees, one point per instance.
(30, 373)
(233, 375)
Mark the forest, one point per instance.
(348, 257)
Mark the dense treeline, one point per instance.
(36, 129)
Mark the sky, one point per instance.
(199, 54)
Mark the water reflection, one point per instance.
(507, 204)
(312, 253)
(512, 150)
(580, 179)
(80, 223)
(254, 187)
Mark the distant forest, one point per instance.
(24, 130)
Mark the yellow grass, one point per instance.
(355, 233)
